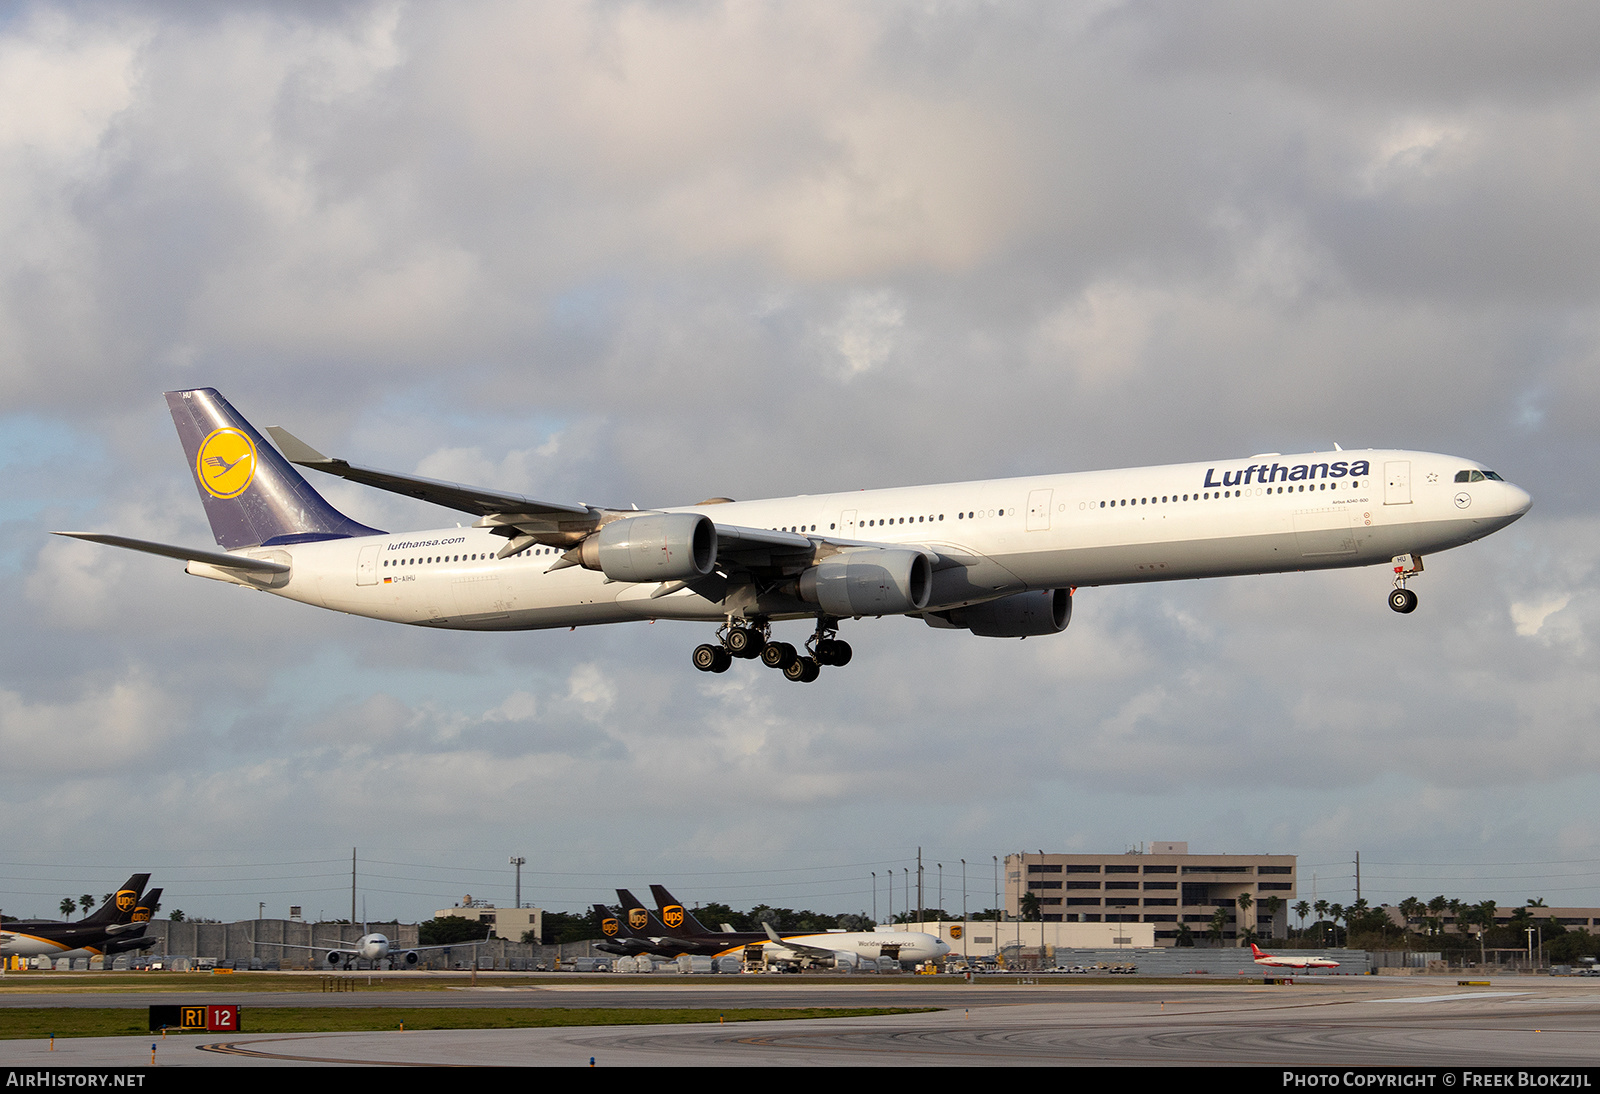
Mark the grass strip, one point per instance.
(116, 1022)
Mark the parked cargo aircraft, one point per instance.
(91, 936)
(848, 949)
(372, 947)
(999, 558)
(1291, 962)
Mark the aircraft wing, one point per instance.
(530, 516)
(330, 948)
(528, 520)
(451, 495)
(797, 947)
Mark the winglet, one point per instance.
(772, 934)
(294, 449)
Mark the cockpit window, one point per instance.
(1475, 476)
(1492, 475)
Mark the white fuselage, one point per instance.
(370, 947)
(994, 538)
(1292, 963)
(906, 946)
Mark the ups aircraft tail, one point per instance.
(678, 919)
(120, 908)
(253, 496)
(639, 919)
(146, 907)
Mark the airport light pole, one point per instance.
(965, 930)
(874, 898)
(518, 861)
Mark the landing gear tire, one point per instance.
(1403, 601)
(746, 642)
(832, 651)
(709, 658)
(802, 670)
(779, 655)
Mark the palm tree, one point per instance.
(68, 906)
(1437, 906)
(1302, 910)
(1272, 904)
(1411, 908)
(86, 901)
(1219, 922)
(1243, 901)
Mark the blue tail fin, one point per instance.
(252, 495)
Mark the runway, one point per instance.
(1334, 1022)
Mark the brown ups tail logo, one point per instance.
(637, 919)
(672, 915)
(608, 926)
(126, 898)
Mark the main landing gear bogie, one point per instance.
(750, 641)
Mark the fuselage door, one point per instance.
(1397, 482)
(1039, 510)
(367, 565)
(847, 522)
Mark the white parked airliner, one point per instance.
(372, 947)
(999, 558)
(851, 949)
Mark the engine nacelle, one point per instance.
(873, 582)
(654, 547)
(409, 957)
(1021, 615)
(335, 957)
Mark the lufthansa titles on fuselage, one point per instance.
(1299, 472)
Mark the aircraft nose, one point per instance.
(1518, 501)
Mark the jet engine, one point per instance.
(654, 547)
(873, 582)
(409, 958)
(1021, 615)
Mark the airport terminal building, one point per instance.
(1165, 887)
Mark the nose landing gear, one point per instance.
(1402, 599)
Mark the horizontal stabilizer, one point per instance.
(184, 554)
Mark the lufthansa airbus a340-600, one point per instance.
(999, 557)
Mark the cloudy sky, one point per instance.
(647, 253)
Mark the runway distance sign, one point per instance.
(196, 1018)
